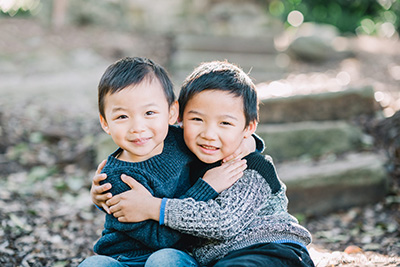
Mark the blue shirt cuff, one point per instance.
(282, 241)
(162, 211)
(99, 208)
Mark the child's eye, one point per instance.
(226, 123)
(196, 119)
(149, 113)
(121, 117)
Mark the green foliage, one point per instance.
(19, 12)
(348, 16)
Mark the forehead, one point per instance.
(215, 94)
(216, 102)
(145, 92)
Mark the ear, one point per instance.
(104, 124)
(173, 112)
(250, 129)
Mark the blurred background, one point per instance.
(328, 77)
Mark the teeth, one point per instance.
(208, 147)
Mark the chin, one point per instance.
(209, 160)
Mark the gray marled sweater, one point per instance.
(252, 211)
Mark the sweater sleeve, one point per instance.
(223, 217)
(200, 191)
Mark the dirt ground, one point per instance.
(48, 117)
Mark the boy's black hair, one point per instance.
(224, 76)
(130, 71)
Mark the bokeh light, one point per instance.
(295, 18)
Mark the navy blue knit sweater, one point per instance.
(164, 175)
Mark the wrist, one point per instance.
(154, 205)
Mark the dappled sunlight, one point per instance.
(394, 71)
(12, 7)
(323, 257)
(304, 84)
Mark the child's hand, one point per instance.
(97, 190)
(247, 146)
(224, 176)
(134, 205)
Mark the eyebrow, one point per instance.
(222, 116)
(115, 109)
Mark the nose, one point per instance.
(208, 132)
(137, 125)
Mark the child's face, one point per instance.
(137, 119)
(214, 125)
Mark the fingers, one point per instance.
(232, 157)
(106, 208)
(100, 189)
(113, 201)
(98, 178)
(235, 165)
(103, 197)
(122, 219)
(129, 180)
(235, 169)
(101, 166)
(97, 191)
(116, 210)
(235, 177)
(96, 187)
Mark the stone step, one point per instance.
(320, 188)
(310, 140)
(185, 59)
(259, 45)
(341, 105)
(179, 75)
(261, 67)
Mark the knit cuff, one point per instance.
(201, 191)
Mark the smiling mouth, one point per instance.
(140, 141)
(209, 149)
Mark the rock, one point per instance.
(320, 188)
(314, 42)
(342, 105)
(353, 249)
(310, 140)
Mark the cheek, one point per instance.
(188, 136)
(231, 142)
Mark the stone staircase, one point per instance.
(326, 161)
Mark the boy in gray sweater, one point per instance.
(246, 225)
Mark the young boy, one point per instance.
(247, 224)
(136, 105)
